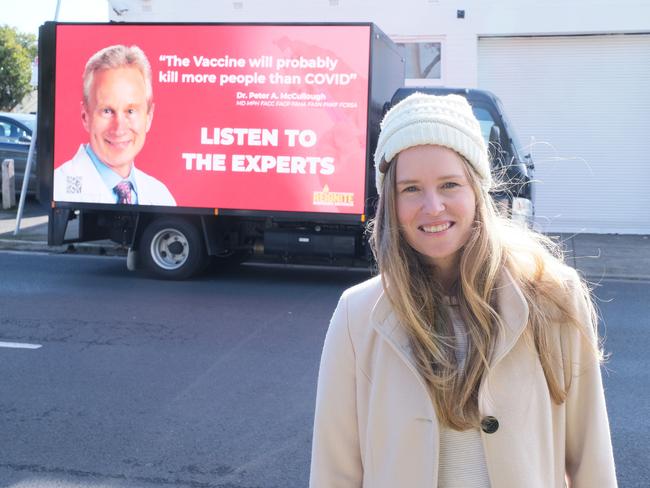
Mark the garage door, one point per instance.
(581, 106)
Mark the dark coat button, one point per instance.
(489, 424)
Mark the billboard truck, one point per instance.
(195, 142)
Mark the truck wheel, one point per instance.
(173, 249)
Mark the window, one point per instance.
(497, 153)
(485, 120)
(423, 60)
(10, 132)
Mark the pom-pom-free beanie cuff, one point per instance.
(422, 119)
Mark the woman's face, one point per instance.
(435, 203)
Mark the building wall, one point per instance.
(418, 18)
(500, 17)
(552, 17)
(578, 154)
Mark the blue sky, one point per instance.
(28, 15)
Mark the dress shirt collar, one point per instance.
(110, 177)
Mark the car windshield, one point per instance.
(28, 120)
(485, 120)
(516, 144)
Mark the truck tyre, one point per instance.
(172, 248)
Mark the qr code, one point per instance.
(73, 184)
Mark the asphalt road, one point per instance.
(209, 383)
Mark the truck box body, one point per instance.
(261, 118)
(251, 124)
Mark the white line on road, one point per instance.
(20, 345)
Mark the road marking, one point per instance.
(20, 345)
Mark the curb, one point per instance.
(76, 248)
(110, 249)
(595, 279)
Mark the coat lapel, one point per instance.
(513, 309)
(385, 322)
(511, 305)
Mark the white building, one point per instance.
(574, 77)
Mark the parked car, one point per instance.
(15, 136)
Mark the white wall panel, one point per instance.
(585, 101)
(413, 17)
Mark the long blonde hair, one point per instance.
(414, 292)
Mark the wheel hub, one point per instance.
(176, 247)
(169, 249)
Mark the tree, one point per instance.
(16, 53)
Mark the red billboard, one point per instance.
(248, 117)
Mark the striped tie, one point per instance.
(123, 190)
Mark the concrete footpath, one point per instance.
(32, 235)
(597, 256)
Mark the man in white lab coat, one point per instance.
(117, 111)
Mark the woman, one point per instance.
(472, 360)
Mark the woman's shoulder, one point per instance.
(361, 303)
(559, 272)
(366, 290)
(543, 272)
(558, 290)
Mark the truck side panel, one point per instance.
(267, 118)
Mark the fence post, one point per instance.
(8, 184)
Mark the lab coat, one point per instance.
(77, 180)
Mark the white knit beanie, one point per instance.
(422, 119)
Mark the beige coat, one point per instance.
(376, 427)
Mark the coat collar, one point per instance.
(511, 305)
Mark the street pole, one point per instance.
(30, 155)
(28, 171)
